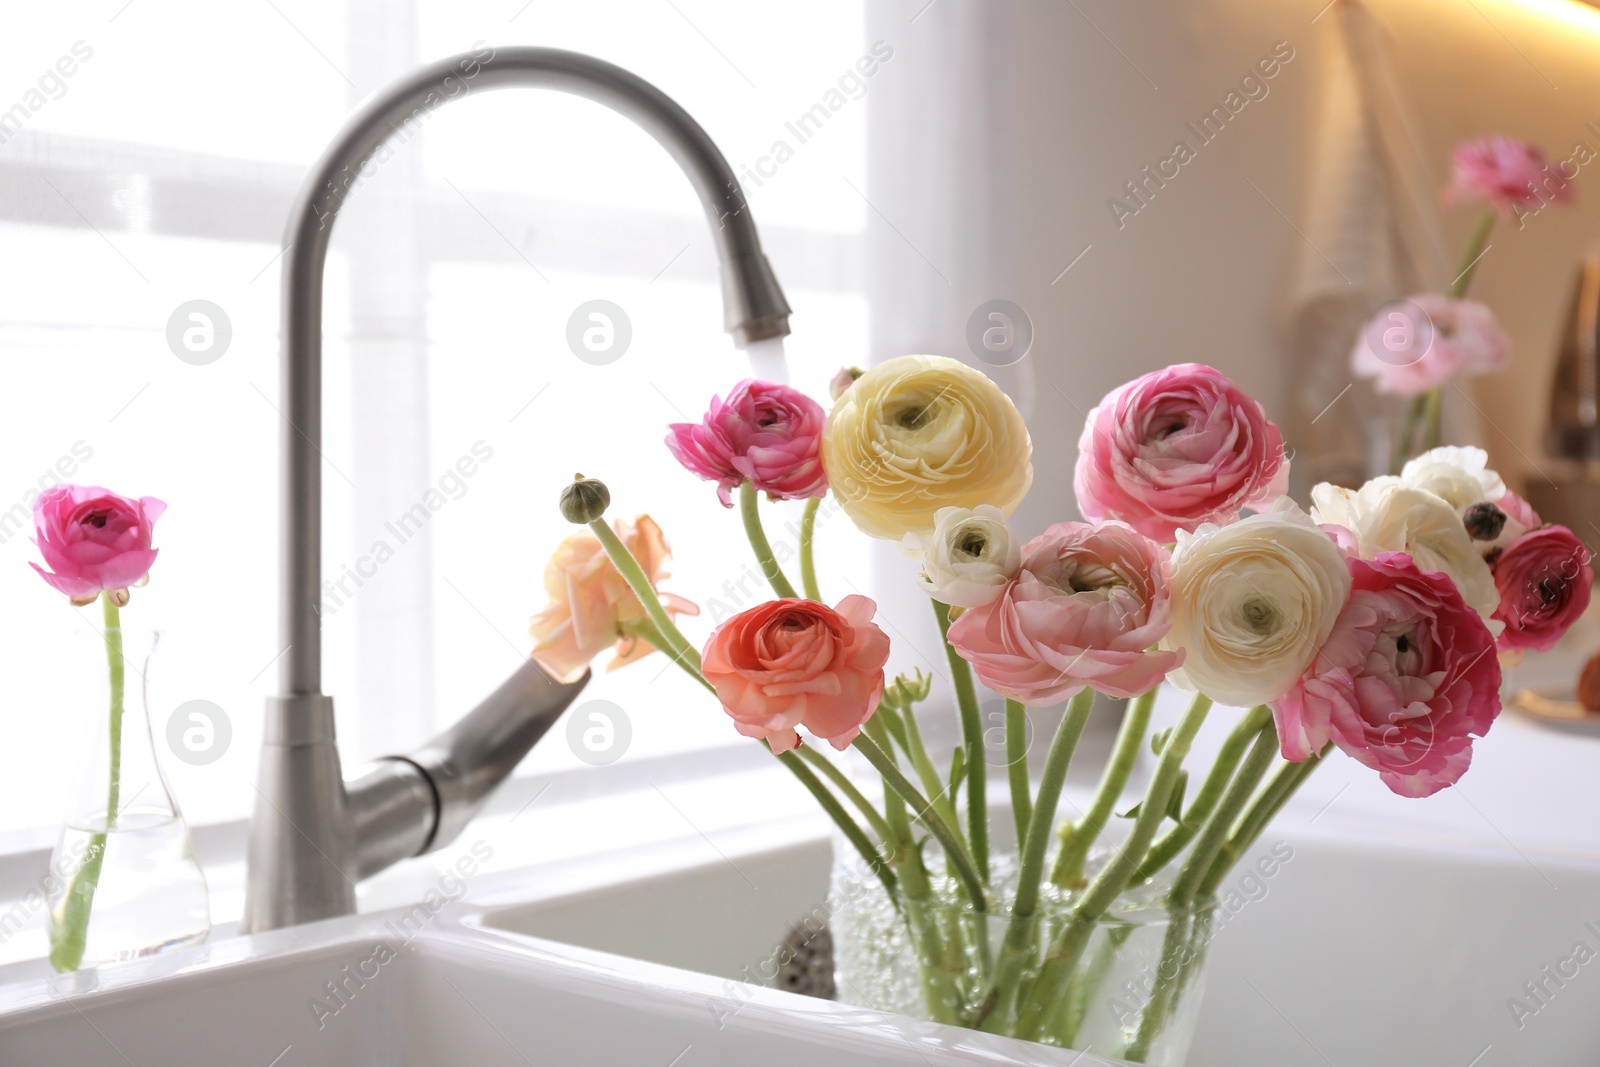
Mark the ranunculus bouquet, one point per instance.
(1375, 623)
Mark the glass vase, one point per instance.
(124, 881)
(1128, 985)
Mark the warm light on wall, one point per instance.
(1577, 14)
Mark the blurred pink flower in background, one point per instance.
(1177, 448)
(763, 432)
(93, 540)
(1502, 172)
(1084, 610)
(1408, 358)
(1544, 582)
(790, 662)
(1404, 682)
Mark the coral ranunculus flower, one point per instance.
(592, 607)
(920, 433)
(1544, 582)
(1404, 682)
(788, 663)
(1502, 172)
(1084, 610)
(765, 433)
(93, 540)
(1177, 448)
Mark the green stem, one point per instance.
(634, 575)
(1079, 837)
(972, 735)
(1404, 445)
(748, 499)
(1432, 401)
(1021, 930)
(646, 631)
(1215, 832)
(1172, 973)
(808, 564)
(845, 786)
(1470, 259)
(841, 818)
(69, 936)
(1273, 796)
(1221, 773)
(938, 790)
(1017, 766)
(1068, 946)
(929, 816)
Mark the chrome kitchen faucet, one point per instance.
(313, 835)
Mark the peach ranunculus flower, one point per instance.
(591, 605)
(788, 663)
(919, 433)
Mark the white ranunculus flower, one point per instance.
(1460, 475)
(1252, 602)
(968, 557)
(1388, 515)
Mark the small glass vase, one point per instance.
(124, 881)
(1134, 991)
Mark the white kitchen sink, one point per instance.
(1397, 933)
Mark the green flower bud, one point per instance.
(585, 500)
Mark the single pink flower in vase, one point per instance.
(1405, 681)
(1177, 448)
(1544, 582)
(1405, 358)
(788, 663)
(94, 541)
(1085, 610)
(1505, 174)
(764, 433)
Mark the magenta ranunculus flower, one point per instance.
(1085, 610)
(1177, 448)
(93, 540)
(1405, 681)
(1544, 582)
(1461, 337)
(1502, 172)
(767, 433)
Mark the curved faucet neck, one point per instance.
(754, 305)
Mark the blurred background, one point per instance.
(983, 159)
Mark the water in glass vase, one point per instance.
(124, 881)
(150, 894)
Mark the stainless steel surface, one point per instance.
(312, 836)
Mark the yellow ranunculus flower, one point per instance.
(920, 433)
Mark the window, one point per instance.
(160, 171)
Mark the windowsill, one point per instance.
(531, 821)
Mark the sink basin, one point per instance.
(1319, 964)
(401, 988)
(1374, 940)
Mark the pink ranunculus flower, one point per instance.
(767, 433)
(790, 662)
(1544, 581)
(1461, 338)
(1177, 448)
(1085, 610)
(592, 607)
(1503, 172)
(93, 540)
(1405, 681)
